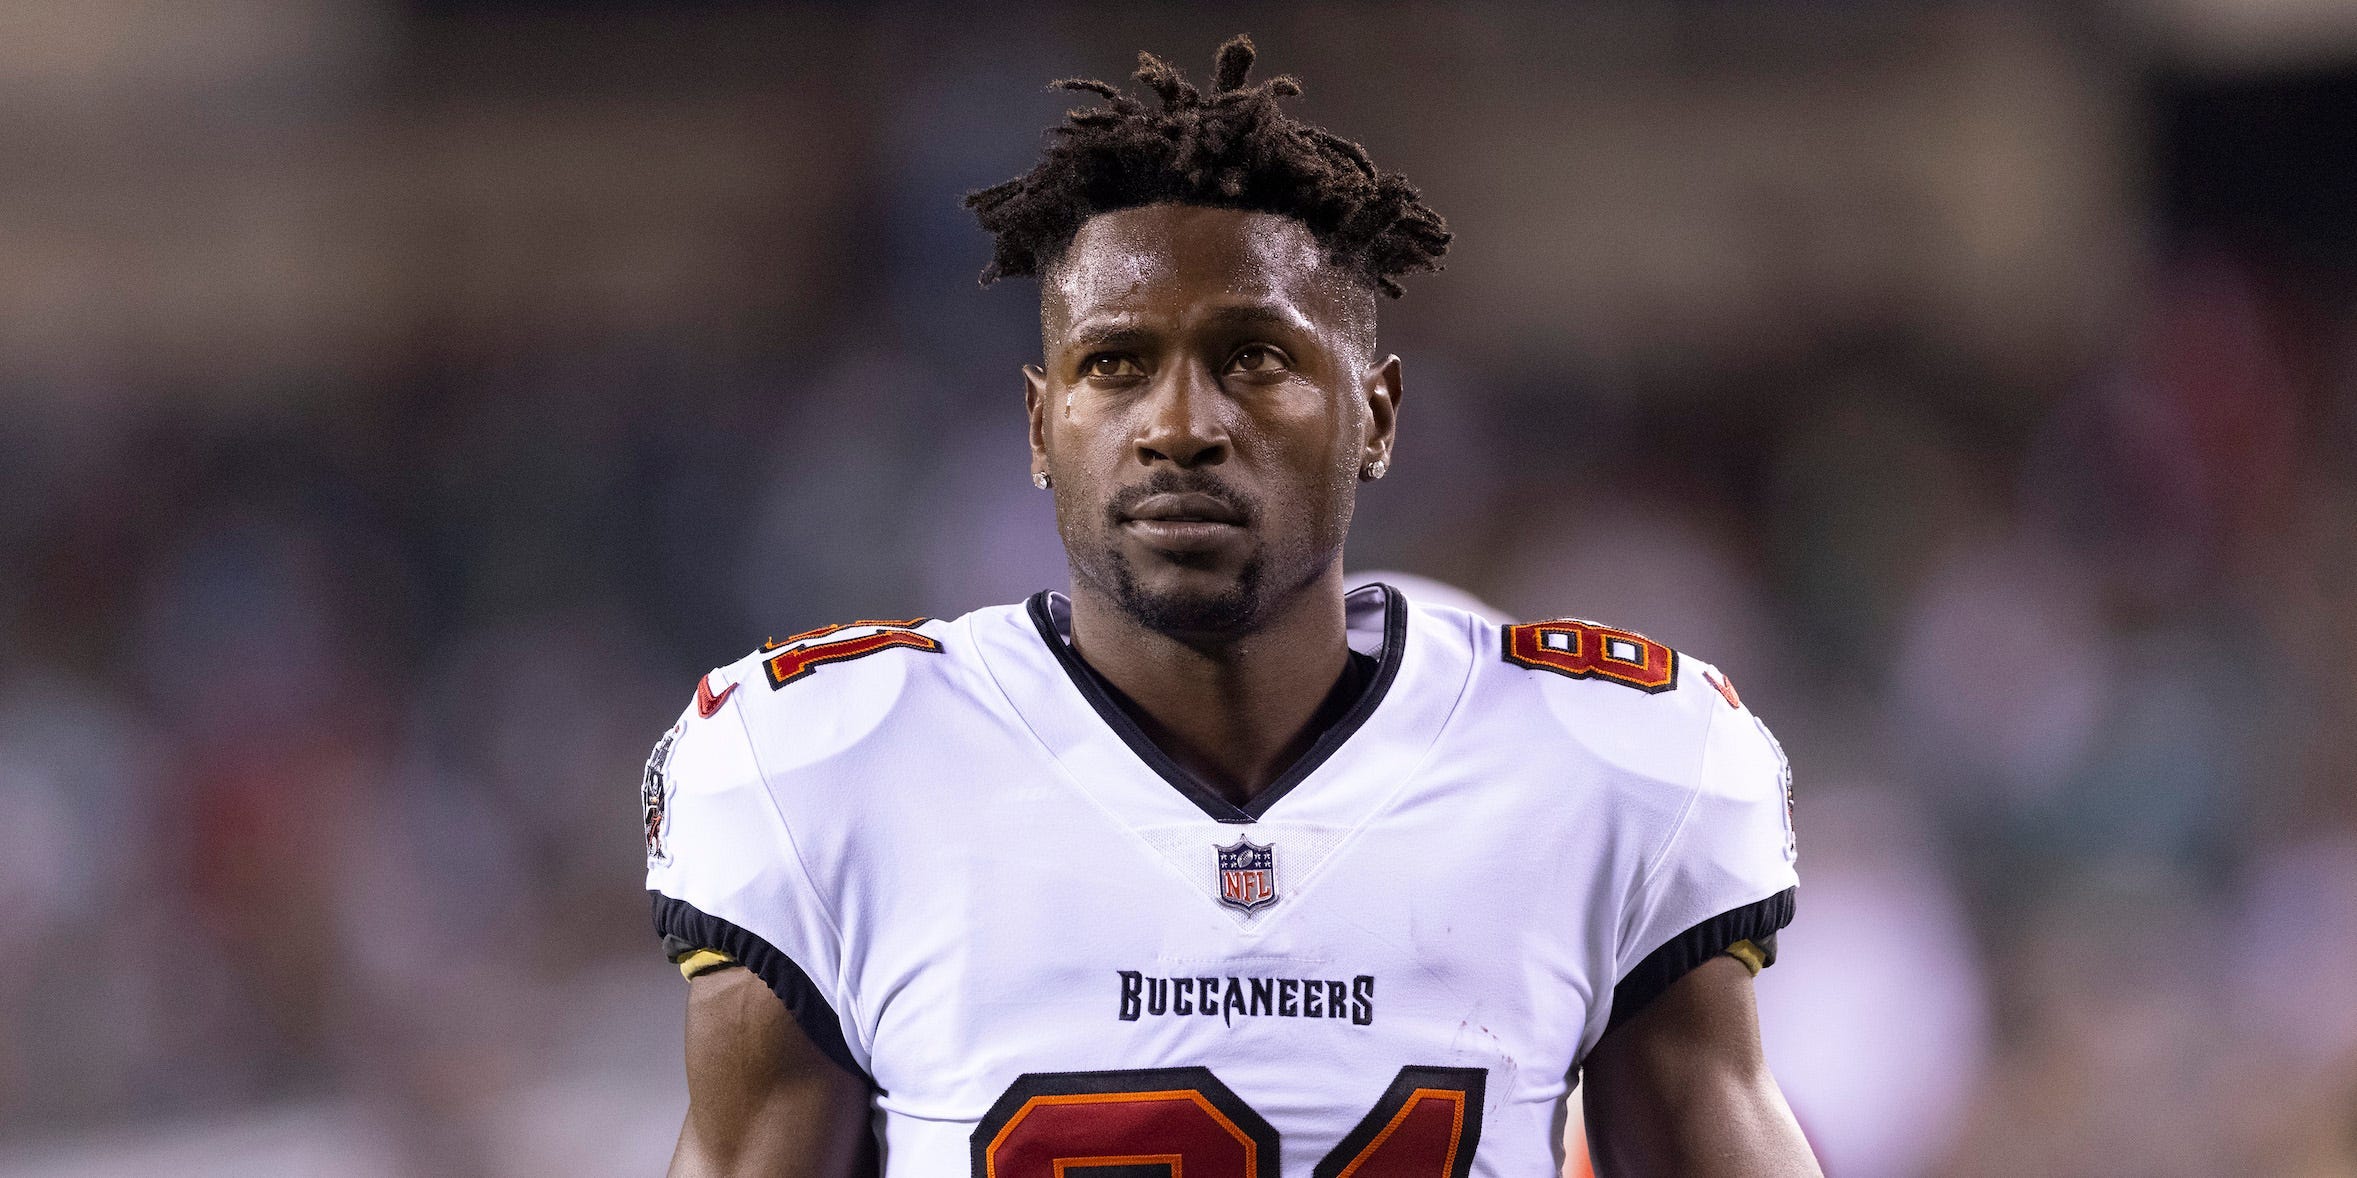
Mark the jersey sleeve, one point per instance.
(726, 880)
(1725, 881)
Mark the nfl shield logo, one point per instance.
(1247, 876)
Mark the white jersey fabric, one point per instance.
(975, 883)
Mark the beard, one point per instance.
(1205, 605)
(1234, 609)
(1228, 606)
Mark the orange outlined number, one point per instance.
(1170, 1121)
(1185, 1123)
(1426, 1126)
(800, 654)
(1585, 650)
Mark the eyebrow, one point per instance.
(1120, 331)
(1110, 333)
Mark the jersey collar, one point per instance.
(1376, 623)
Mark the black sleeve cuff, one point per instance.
(1756, 923)
(685, 928)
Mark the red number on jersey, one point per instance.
(1585, 650)
(1426, 1126)
(1165, 1121)
(805, 652)
(1183, 1121)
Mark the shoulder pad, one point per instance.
(1634, 701)
(820, 690)
(1577, 648)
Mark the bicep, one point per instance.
(1683, 1087)
(762, 1099)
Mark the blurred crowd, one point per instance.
(2016, 492)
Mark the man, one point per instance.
(1210, 867)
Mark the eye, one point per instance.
(1111, 366)
(1258, 359)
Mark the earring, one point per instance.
(1040, 479)
(1375, 470)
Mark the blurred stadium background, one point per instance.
(401, 404)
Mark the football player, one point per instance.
(1208, 866)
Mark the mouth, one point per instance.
(1183, 522)
(1190, 507)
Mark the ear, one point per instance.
(1382, 391)
(1035, 402)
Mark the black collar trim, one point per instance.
(1096, 692)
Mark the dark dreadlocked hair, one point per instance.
(1232, 149)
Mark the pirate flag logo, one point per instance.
(1247, 876)
(654, 796)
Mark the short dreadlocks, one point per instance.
(1233, 149)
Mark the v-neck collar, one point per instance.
(1042, 608)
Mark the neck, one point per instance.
(1235, 712)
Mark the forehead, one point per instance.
(1162, 261)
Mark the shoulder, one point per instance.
(815, 695)
(793, 720)
(807, 702)
(1631, 701)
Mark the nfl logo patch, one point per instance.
(1247, 876)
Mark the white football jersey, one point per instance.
(974, 881)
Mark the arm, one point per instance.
(773, 1089)
(1683, 1088)
(761, 1098)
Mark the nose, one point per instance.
(1181, 422)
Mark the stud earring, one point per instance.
(1040, 479)
(1375, 470)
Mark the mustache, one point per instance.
(1167, 481)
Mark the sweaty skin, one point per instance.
(1216, 354)
(762, 1100)
(1682, 1088)
(1207, 395)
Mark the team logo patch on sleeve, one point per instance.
(654, 796)
(1247, 875)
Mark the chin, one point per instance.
(1190, 601)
